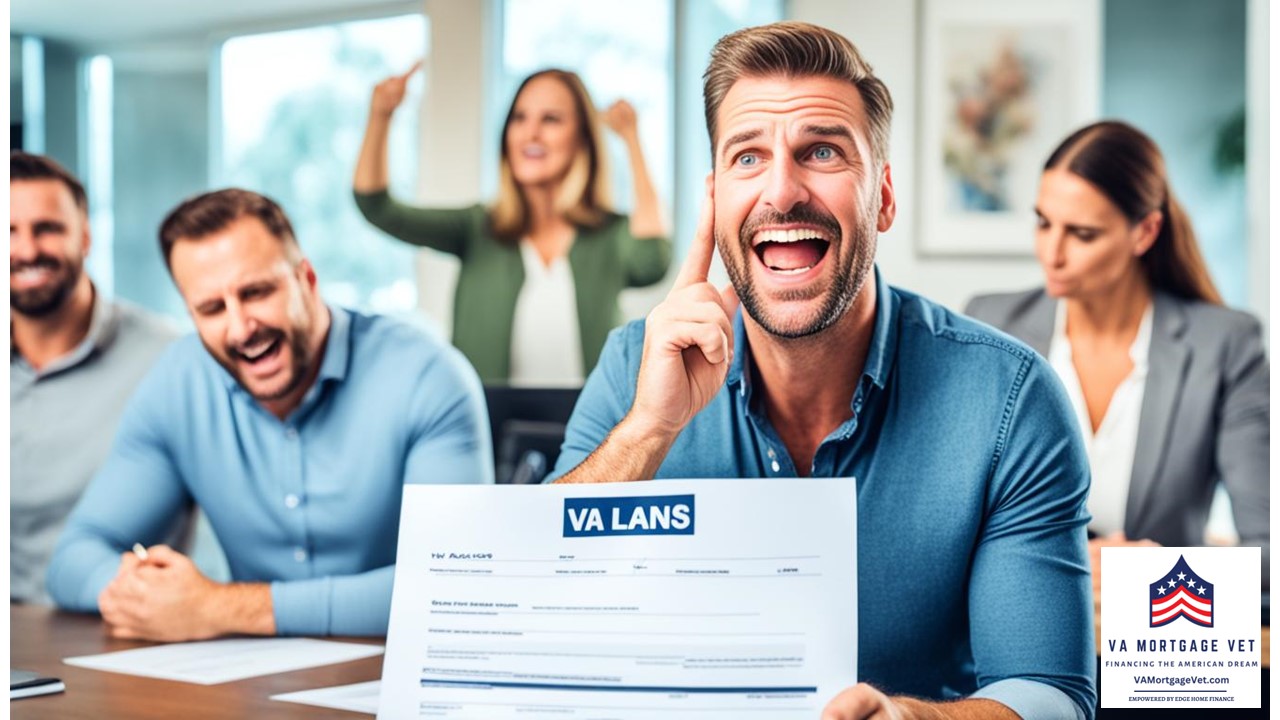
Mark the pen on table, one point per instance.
(140, 551)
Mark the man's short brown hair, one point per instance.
(796, 50)
(204, 215)
(29, 166)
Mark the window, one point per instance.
(97, 148)
(293, 106)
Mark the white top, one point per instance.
(546, 346)
(1110, 449)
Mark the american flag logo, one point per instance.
(1181, 593)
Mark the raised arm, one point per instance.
(688, 346)
(371, 167)
(448, 230)
(646, 215)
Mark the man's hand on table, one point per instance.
(166, 598)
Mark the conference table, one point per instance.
(40, 637)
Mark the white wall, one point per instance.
(452, 117)
(886, 35)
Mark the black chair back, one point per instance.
(528, 427)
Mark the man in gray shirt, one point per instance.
(74, 360)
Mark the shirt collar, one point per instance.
(884, 336)
(880, 353)
(337, 348)
(103, 322)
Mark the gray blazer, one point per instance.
(1206, 415)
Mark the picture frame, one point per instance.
(1002, 82)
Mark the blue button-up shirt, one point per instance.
(973, 575)
(310, 504)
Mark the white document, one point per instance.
(217, 661)
(361, 697)
(669, 599)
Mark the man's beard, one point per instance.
(298, 365)
(854, 262)
(43, 301)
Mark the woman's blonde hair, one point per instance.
(583, 198)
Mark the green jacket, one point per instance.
(604, 261)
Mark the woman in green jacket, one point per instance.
(542, 267)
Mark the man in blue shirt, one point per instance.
(293, 428)
(973, 581)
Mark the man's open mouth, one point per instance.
(791, 252)
(257, 352)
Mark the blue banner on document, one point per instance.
(650, 515)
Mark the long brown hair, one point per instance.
(583, 198)
(1126, 166)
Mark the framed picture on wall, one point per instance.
(1002, 83)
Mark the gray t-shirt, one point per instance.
(62, 421)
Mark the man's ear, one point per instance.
(307, 273)
(888, 203)
(87, 242)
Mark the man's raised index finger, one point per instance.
(698, 261)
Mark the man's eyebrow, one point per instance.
(744, 136)
(830, 131)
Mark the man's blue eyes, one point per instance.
(822, 153)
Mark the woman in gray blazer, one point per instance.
(1171, 388)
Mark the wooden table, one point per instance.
(40, 637)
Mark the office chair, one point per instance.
(528, 427)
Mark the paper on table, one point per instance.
(672, 599)
(218, 661)
(360, 697)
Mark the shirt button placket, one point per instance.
(294, 491)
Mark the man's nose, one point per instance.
(785, 188)
(240, 324)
